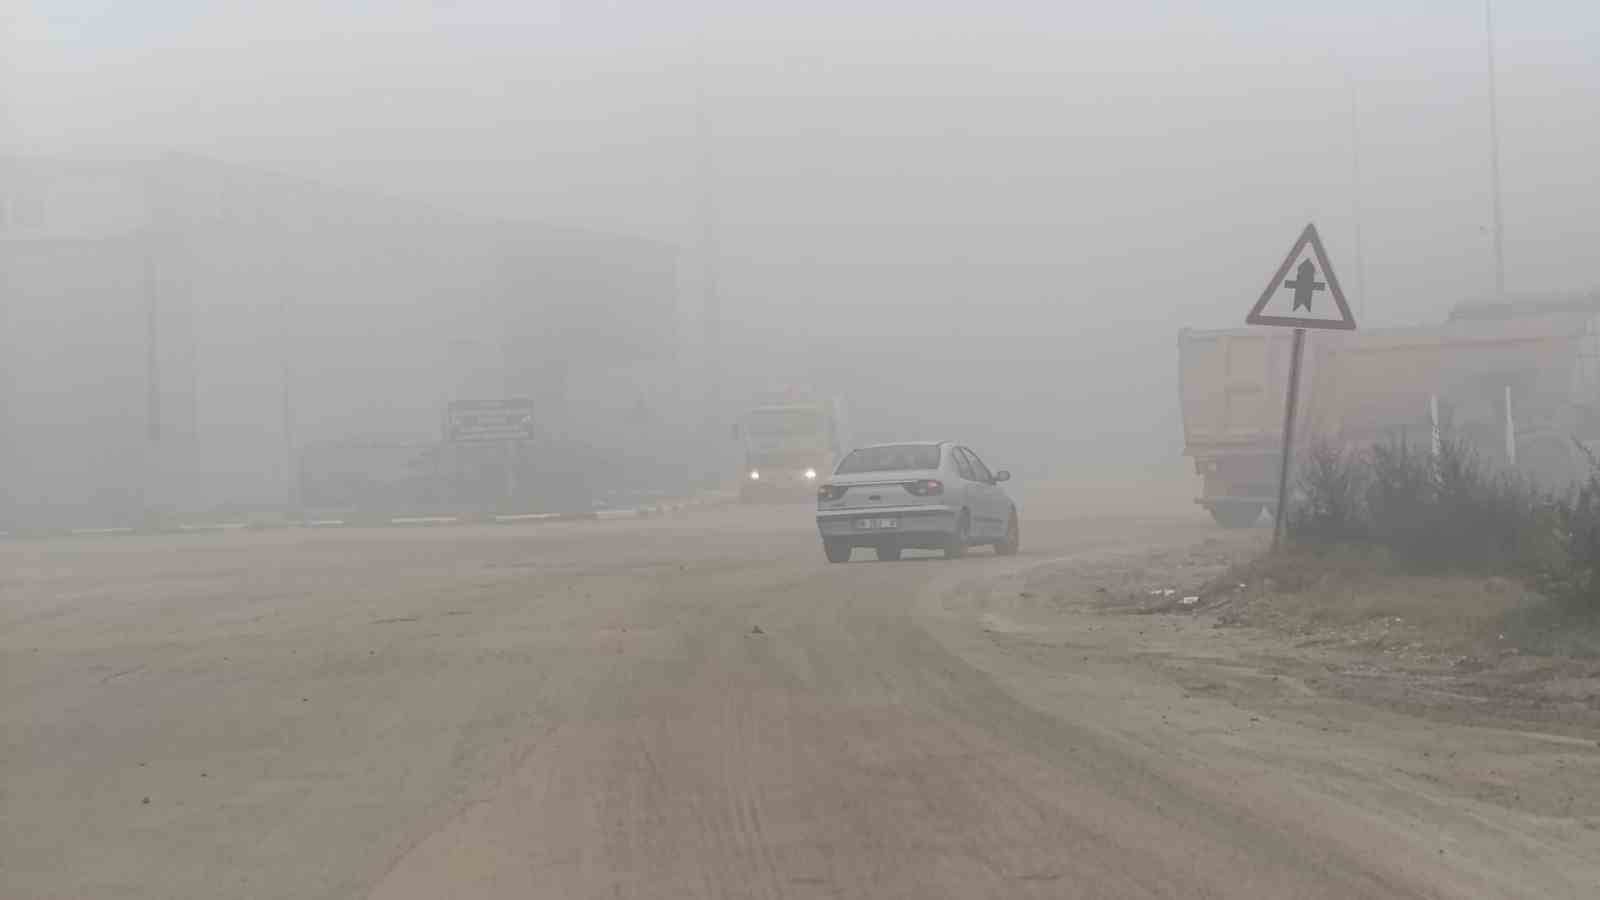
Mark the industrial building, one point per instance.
(176, 334)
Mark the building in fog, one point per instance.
(174, 333)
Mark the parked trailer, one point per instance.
(1232, 389)
(1520, 382)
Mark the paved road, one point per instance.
(695, 706)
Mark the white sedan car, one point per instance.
(935, 496)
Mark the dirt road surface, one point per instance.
(700, 707)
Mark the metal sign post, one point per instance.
(1292, 302)
(1289, 405)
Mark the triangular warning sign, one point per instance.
(1304, 293)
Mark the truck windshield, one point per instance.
(890, 458)
(785, 421)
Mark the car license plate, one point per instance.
(869, 524)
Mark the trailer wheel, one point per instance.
(1236, 515)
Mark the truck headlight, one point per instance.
(811, 474)
(754, 475)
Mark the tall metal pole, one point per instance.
(1289, 405)
(152, 350)
(711, 299)
(1355, 198)
(1494, 155)
(285, 381)
(153, 246)
(714, 365)
(11, 169)
(9, 450)
(151, 476)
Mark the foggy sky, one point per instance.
(1060, 184)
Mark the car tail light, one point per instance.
(926, 487)
(830, 492)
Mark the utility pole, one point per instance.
(152, 345)
(1494, 156)
(1355, 197)
(152, 245)
(711, 299)
(151, 478)
(285, 376)
(709, 221)
(9, 452)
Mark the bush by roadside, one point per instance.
(1448, 512)
(1580, 526)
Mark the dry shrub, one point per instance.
(1330, 507)
(1580, 537)
(1446, 512)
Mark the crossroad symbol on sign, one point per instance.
(1304, 284)
(1303, 301)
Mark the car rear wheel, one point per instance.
(955, 546)
(1013, 541)
(836, 551)
(889, 552)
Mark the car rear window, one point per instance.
(891, 458)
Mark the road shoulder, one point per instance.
(1473, 801)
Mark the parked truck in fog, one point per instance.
(1519, 381)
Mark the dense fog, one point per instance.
(233, 236)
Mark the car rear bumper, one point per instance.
(916, 526)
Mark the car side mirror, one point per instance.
(1002, 475)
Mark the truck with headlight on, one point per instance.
(787, 443)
